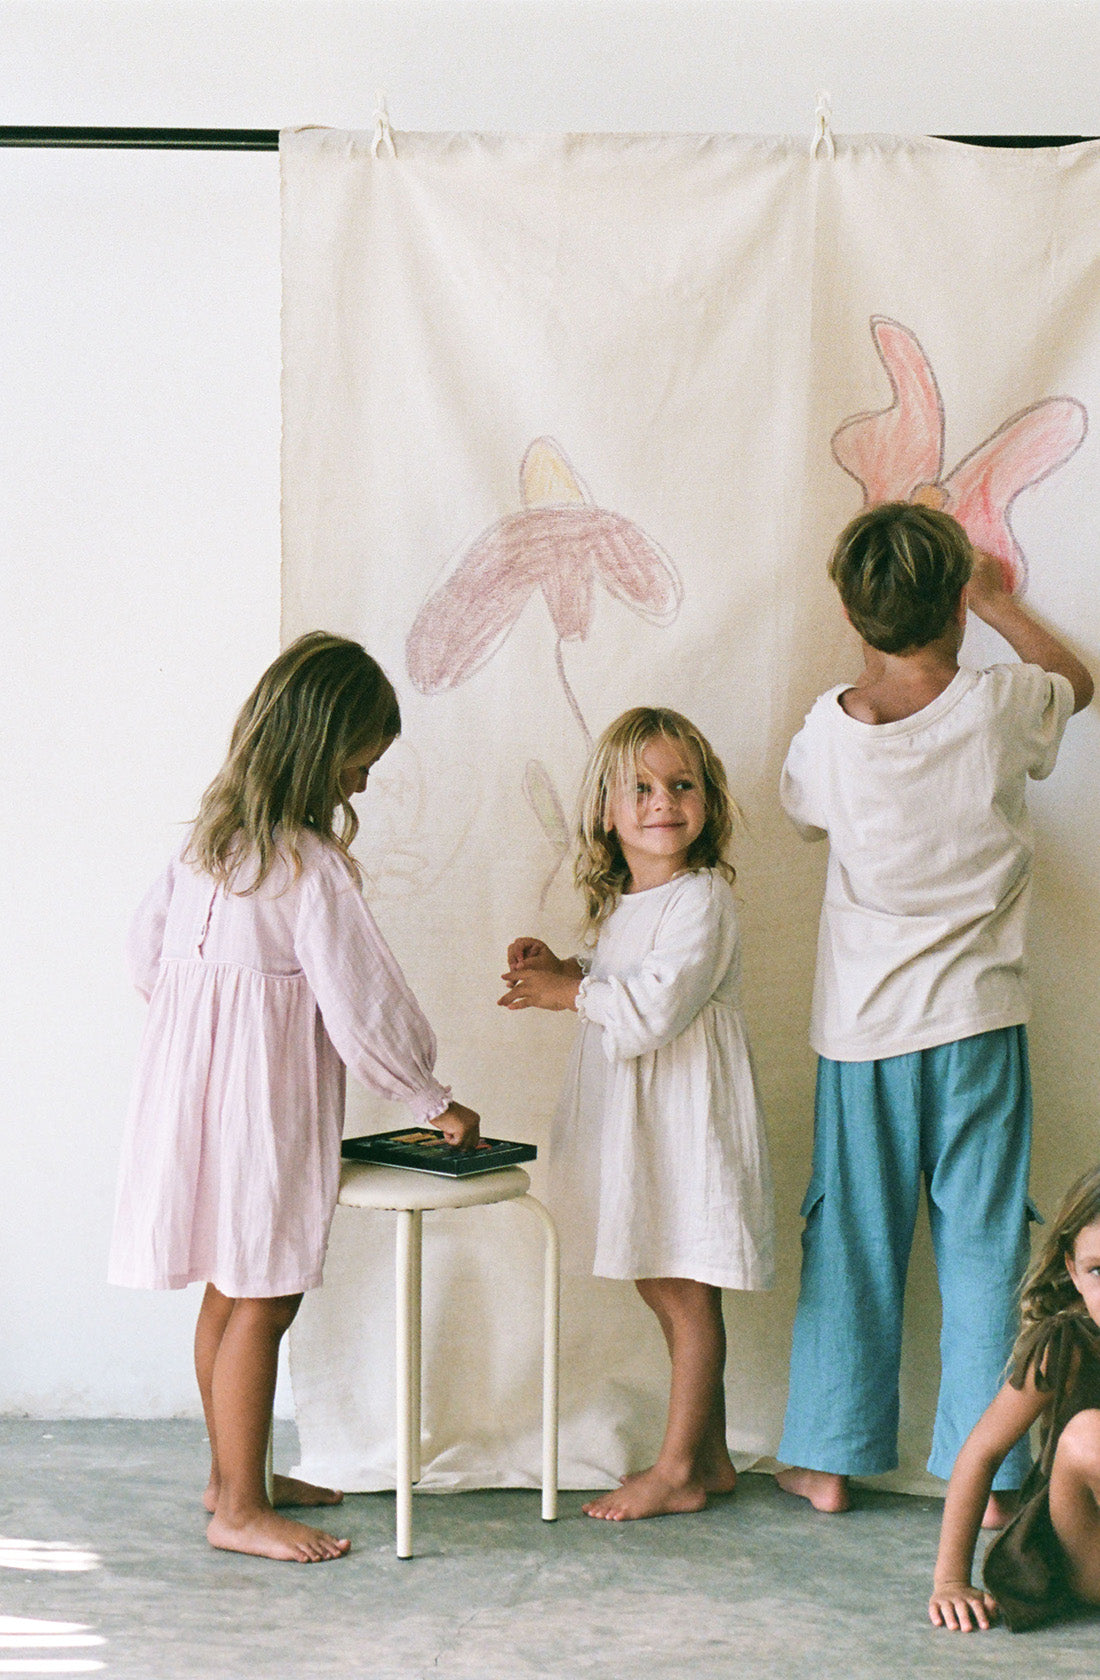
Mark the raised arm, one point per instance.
(956, 1604)
(987, 596)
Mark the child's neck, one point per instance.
(653, 872)
(897, 685)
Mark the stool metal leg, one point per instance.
(407, 1275)
(551, 1292)
(415, 1359)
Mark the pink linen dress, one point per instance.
(231, 1159)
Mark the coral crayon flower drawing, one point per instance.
(896, 453)
(559, 542)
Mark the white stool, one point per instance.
(408, 1194)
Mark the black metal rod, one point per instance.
(157, 139)
(1020, 140)
(267, 139)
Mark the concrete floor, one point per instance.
(756, 1586)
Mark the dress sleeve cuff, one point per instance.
(580, 1000)
(429, 1104)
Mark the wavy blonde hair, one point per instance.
(1048, 1287)
(319, 704)
(600, 870)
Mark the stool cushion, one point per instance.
(364, 1185)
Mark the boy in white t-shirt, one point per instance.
(916, 774)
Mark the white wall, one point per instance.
(139, 467)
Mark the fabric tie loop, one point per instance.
(823, 133)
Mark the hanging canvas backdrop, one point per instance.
(570, 425)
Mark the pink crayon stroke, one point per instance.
(896, 453)
(561, 548)
(561, 543)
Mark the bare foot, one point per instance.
(720, 1478)
(825, 1491)
(288, 1490)
(647, 1494)
(267, 1534)
(717, 1478)
(1001, 1509)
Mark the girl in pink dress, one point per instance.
(266, 978)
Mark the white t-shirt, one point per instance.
(922, 929)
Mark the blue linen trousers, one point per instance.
(959, 1116)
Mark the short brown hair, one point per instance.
(900, 569)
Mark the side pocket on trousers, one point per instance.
(814, 1194)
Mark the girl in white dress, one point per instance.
(266, 977)
(658, 1157)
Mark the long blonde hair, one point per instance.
(600, 870)
(322, 701)
(1048, 1287)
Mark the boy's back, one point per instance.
(917, 774)
(923, 920)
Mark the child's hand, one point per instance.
(531, 953)
(460, 1126)
(961, 1608)
(987, 583)
(541, 988)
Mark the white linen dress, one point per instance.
(231, 1159)
(659, 1162)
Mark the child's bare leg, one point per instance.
(715, 1466)
(825, 1491)
(656, 1307)
(1075, 1501)
(714, 1461)
(1000, 1509)
(242, 1389)
(690, 1313)
(209, 1330)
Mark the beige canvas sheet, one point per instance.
(567, 429)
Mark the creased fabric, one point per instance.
(257, 1003)
(570, 424)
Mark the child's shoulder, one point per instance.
(1019, 683)
(321, 862)
(1056, 1347)
(704, 890)
(306, 866)
(827, 705)
(1012, 686)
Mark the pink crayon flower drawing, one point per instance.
(897, 453)
(559, 543)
